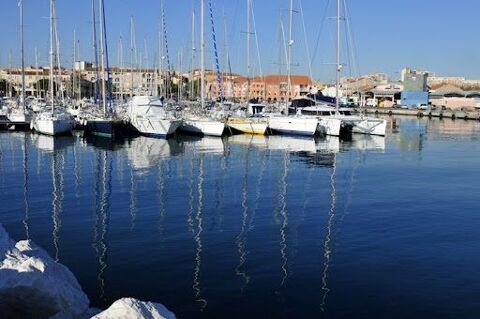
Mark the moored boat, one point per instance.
(53, 123)
(203, 126)
(148, 116)
(248, 125)
(293, 125)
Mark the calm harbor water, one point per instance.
(271, 227)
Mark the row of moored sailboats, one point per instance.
(155, 116)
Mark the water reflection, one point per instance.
(206, 144)
(198, 239)
(161, 189)
(133, 199)
(103, 189)
(326, 244)
(241, 238)
(191, 198)
(281, 212)
(145, 152)
(284, 215)
(57, 169)
(25, 187)
(49, 144)
(76, 170)
(364, 143)
(249, 199)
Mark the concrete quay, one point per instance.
(451, 114)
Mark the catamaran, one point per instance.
(358, 123)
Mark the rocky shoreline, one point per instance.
(33, 285)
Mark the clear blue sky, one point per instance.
(437, 35)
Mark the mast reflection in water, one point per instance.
(258, 226)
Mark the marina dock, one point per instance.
(450, 114)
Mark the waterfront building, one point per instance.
(272, 88)
(455, 98)
(415, 90)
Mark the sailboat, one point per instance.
(20, 116)
(357, 123)
(292, 124)
(252, 121)
(202, 124)
(104, 124)
(53, 122)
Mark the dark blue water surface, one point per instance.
(264, 227)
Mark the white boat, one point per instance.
(38, 105)
(53, 123)
(358, 123)
(248, 125)
(203, 126)
(328, 122)
(148, 116)
(19, 116)
(293, 125)
(333, 123)
(361, 124)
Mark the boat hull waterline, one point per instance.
(203, 127)
(293, 125)
(248, 126)
(155, 127)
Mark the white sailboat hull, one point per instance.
(303, 126)
(154, 126)
(248, 126)
(19, 117)
(53, 126)
(370, 126)
(205, 127)
(366, 125)
(329, 126)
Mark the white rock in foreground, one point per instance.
(129, 308)
(33, 285)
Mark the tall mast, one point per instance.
(163, 88)
(51, 55)
(107, 63)
(202, 52)
(180, 84)
(102, 56)
(248, 51)
(131, 57)
(120, 56)
(339, 67)
(23, 55)
(192, 80)
(289, 62)
(95, 49)
(227, 65)
(74, 77)
(79, 74)
(36, 70)
(10, 66)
